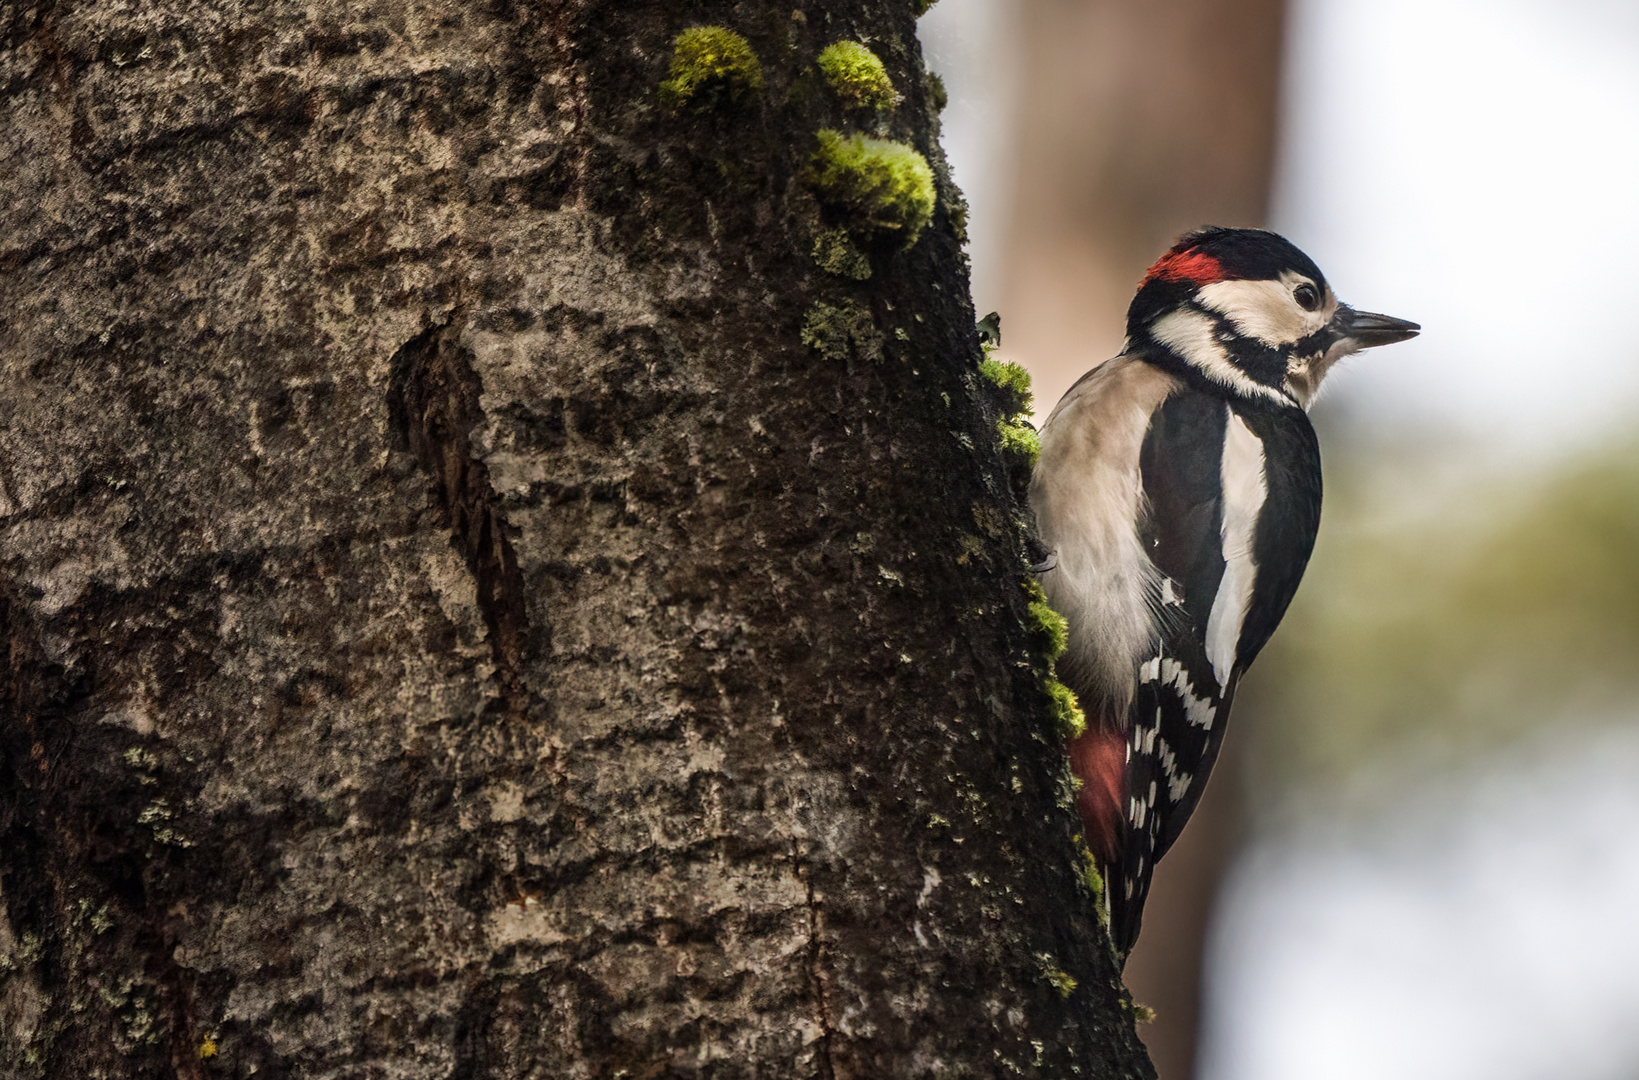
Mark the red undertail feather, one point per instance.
(1099, 761)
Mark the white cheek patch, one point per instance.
(1245, 488)
(1264, 310)
(1193, 335)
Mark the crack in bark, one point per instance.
(433, 405)
(815, 946)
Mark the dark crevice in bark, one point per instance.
(65, 823)
(184, 1037)
(433, 405)
(472, 1028)
(816, 977)
(33, 698)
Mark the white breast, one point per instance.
(1086, 493)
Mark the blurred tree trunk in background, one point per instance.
(1138, 121)
(479, 600)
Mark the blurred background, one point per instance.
(1420, 857)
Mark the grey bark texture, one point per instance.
(480, 601)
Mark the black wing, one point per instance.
(1182, 702)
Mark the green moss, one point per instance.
(1018, 437)
(836, 330)
(884, 186)
(1013, 380)
(1021, 440)
(1060, 979)
(938, 96)
(1068, 718)
(712, 64)
(1094, 880)
(837, 254)
(856, 75)
(1050, 628)
(922, 6)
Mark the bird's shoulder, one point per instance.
(1110, 396)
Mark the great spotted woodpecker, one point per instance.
(1179, 487)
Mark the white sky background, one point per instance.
(973, 47)
(1473, 165)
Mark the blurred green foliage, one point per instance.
(1452, 615)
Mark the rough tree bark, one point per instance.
(480, 600)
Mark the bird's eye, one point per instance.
(1307, 296)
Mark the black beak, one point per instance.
(1367, 329)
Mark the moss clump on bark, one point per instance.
(1093, 878)
(1056, 976)
(1050, 629)
(1051, 633)
(856, 75)
(938, 96)
(835, 330)
(1019, 440)
(711, 64)
(1013, 379)
(836, 253)
(882, 186)
(1068, 719)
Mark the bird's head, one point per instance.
(1252, 314)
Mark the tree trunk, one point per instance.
(481, 600)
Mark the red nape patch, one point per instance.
(1099, 761)
(1189, 265)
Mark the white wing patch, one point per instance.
(1245, 488)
